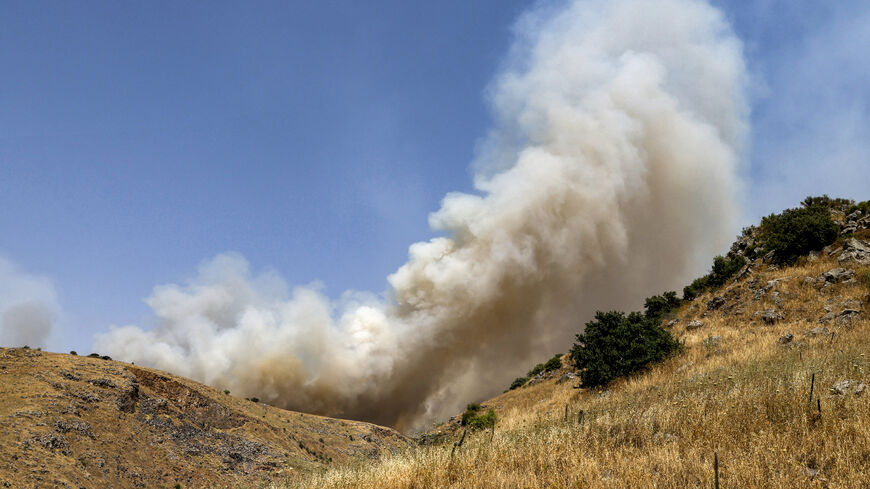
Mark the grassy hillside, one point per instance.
(740, 388)
(70, 421)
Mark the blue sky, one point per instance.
(314, 138)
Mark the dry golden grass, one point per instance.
(747, 399)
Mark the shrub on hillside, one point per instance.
(518, 382)
(554, 363)
(828, 203)
(614, 345)
(722, 270)
(476, 420)
(658, 306)
(795, 232)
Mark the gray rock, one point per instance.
(715, 303)
(846, 316)
(768, 316)
(566, 377)
(848, 386)
(837, 275)
(820, 331)
(694, 325)
(712, 341)
(785, 339)
(672, 323)
(855, 251)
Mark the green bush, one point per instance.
(795, 232)
(615, 345)
(722, 270)
(829, 203)
(864, 207)
(535, 370)
(658, 306)
(554, 363)
(518, 382)
(475, 420)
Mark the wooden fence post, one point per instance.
(459, 443)
(716, 468)
(812, 384)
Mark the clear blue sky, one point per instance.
(137, 139)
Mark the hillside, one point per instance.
(772, 379)
(71, 421)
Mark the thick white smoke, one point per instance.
(609, 176)
(28, 307)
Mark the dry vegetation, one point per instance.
(747, 398)
(71, 421)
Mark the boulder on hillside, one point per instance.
(715, 303)
(854, 251)
(694, 325)
(768, 316)
(837, 275)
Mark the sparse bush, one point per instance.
(255, 399)
(615, 345)
(518, 382)
(535, 370)
(795, 232)
(864, 207)
(554, 363)
(94, 355)
(73, 352)
(828, 203)
(106, 357)
(722, 270)
(475, 420)
(227, 391)
(658, 306)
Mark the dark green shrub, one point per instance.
(73, 353)
(535, 370)
(658, 306)
(722, 270)
(828, 203)
(795, 232)
(227, 391)
(554, 363)
(255, 399)
(615, 345)
(518, 382)
(864, 207)
(94, 355)
(106, 357)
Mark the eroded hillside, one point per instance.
(70, 421)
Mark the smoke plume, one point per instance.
(28, 307)
(609, 175)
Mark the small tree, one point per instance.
(614, 345)
(657, 306)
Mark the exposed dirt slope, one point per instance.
(70, 421)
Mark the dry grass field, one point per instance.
(744, 396)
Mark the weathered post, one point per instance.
(812, 384)
(580, 417)
(716, 468)
(459, 443)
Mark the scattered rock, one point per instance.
(566, 377)
(837, 275)
(102, 383)
(846, 316)
(712, 341)
(855, 252)
(693, 325)
(785, 339)
(848, 386)
(768, 316)
(820, 331)
(715, 303)
(672, 323)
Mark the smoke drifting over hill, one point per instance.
(28, 307)
(610, 175)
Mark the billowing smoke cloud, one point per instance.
(28, 307)
(609, 176)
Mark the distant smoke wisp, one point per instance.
(28, 307)
(610, 174)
